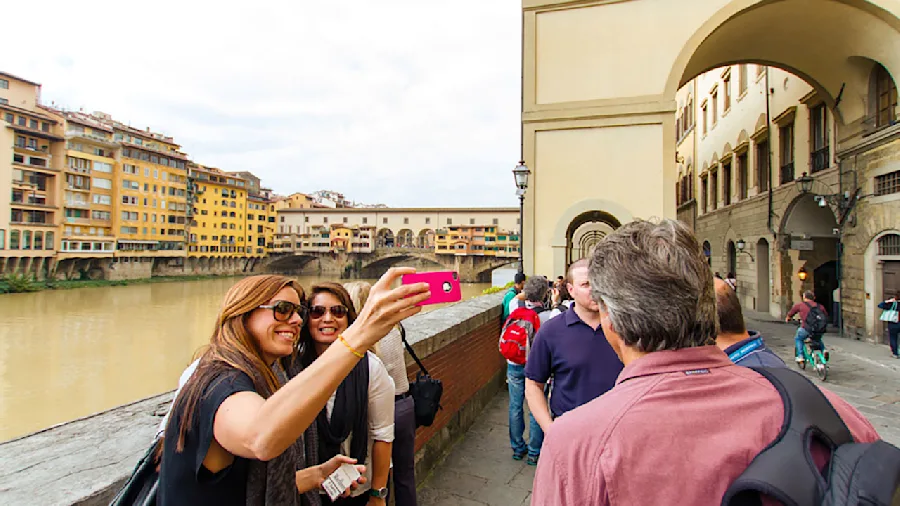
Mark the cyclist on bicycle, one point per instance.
(813, 321)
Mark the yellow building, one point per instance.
(151, 211)
(260, 225)
(89, 192)
(30, 179)
(219, 227)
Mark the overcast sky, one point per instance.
(406, 103)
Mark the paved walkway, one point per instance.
(479, 470)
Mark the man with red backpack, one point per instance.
(813, 322)
(516, 339)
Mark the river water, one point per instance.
(69, 353)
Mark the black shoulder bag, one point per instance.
(425, 390)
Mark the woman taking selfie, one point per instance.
(358, 419)
(234, 435)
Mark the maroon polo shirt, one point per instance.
(678, 428)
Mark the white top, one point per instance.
(185, 376)
(391, 354)
(556, 311)
(381, 414)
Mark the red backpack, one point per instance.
(518, 333)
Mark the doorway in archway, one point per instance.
(825, 282)
(585, 231)
(732, 259)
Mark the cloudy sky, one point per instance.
(402, 102)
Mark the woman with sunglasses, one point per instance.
(358, 419)
(234, 435)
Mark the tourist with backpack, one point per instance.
(813, 322)
(512, 292)
(683, 423)
(516, 340)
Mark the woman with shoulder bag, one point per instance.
(235, 433)
(889, 316)
(403, 453)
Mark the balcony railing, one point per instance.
(78, 188)
(77, 203)
(787, 173)
(818, 160)
(72, 219)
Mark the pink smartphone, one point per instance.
(444, 286)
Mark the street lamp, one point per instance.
(741, 244)
(805, 183)
(521, 173)
(802, 274)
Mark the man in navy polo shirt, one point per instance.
(572, 350)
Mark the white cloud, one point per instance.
(409, 103)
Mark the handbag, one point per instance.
(425, 390)
(141, 487)
(890, 315)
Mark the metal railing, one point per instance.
(818, 160)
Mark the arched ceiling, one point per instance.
(828, 43)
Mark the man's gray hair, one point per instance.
(653, 281)
(535, 289)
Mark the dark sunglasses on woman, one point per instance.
(282, 310)
(338, 311)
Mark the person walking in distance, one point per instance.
(518, 333)
(893, 326)
(573, 351)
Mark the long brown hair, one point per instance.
(307, 345)
(232, 347)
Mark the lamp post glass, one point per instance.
(804, 183)
(520, 173)
(741, 244)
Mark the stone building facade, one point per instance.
(789, 199)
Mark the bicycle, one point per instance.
(814, 353)
(817, 356)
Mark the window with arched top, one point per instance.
(889, 245)
(885, 99)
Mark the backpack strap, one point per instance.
(785, 470)
(410, 350)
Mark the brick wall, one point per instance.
(465, 367)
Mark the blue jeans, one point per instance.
(799, 337)
(515, 379)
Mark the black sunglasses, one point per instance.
(282, 310)
(338, 311)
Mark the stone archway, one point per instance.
(598, 122)
(425, 239)
(384, 238)
(808, 240)
(405, 238)
(584, 231)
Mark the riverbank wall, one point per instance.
(86, 461)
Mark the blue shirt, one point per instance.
(579, 359)
(752, 353)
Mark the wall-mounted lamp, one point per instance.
(802, 274)
(740, 245)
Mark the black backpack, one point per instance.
(816, 322)
(857, 474)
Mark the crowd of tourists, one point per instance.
(643, 383)
(649, 389)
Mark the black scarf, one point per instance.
(350, 415)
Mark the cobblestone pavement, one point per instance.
(479, 469)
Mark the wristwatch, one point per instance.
(380, 493)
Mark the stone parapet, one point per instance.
(86, 461)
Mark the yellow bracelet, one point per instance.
(358, 354)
